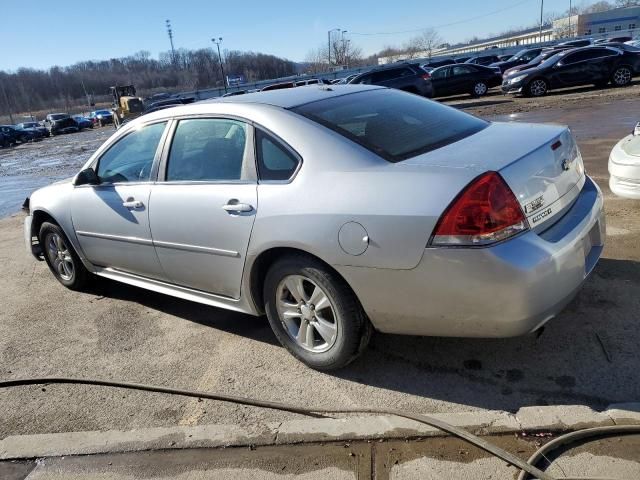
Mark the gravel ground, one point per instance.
(587, 355)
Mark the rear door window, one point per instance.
(275, 161)
(391, 123)
(208, 149)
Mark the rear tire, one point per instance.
(314, 314)
(622, 76)
(480, 89)
(537, 88)
(62, 259)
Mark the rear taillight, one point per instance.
(426, 76)
(485, 212)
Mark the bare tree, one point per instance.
(424, 45)
(627, 3)
(598, 7)
(343, 53)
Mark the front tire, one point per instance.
(537, 88)
(622, 76)
(62, 259)
(314, 314)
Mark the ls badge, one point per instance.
(534, 205)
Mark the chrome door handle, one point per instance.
(237, 207)
(131, 203)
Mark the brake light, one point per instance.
(426, 76)
(485, 212)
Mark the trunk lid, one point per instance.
(541, 164)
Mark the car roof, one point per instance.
(293, 97)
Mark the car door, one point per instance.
(439, 81)
(461, 79)
(204, 204)
(571, 70)
(111, 219)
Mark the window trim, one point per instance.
(156, 158)
(250, 157)
(284, 145)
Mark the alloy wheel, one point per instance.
(480, 89)
(307, 313)
(60, 256)
(538, 88)
(622, 76)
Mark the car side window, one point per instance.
(130, 158)
(460, 70)
(208, 149)
(440, 73)
(275, 161)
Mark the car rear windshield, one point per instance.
(394, 124)
(59, 116)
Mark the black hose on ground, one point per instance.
(527, 468)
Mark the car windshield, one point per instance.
(553, 58)
(519, 55)
(103, 112)
(393, 124)
(58, 116)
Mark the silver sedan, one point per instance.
(337, 211)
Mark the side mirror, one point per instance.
(86, 177)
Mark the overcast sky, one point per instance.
(41, 33)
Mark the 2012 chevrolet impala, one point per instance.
(336, 211)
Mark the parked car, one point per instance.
(438, 63)
(504, 58)
(582, 66)
(520, 58)
(457, 79)
(347, 79)
(101, 117)
(546, 53)
(5, 140)
(621, 39)
(585, 42)
(42, 131)
(15, 135)
(496, 229)
(624, 166)
(278, 86)
(58, 123)
(462, 59)
(83, 122)
(312, 81)
(406, 76)
(485, 60)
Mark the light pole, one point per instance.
(570, 31)
(541, 15)
(170, 33)
(217, 42)
(329, 42)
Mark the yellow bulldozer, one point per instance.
(126, 105)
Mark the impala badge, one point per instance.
(534, 205)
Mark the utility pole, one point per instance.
(541, 16)
(170, 33)
(217, 42)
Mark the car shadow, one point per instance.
(587, 355)
(249, 326)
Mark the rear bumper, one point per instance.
(506, 290)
